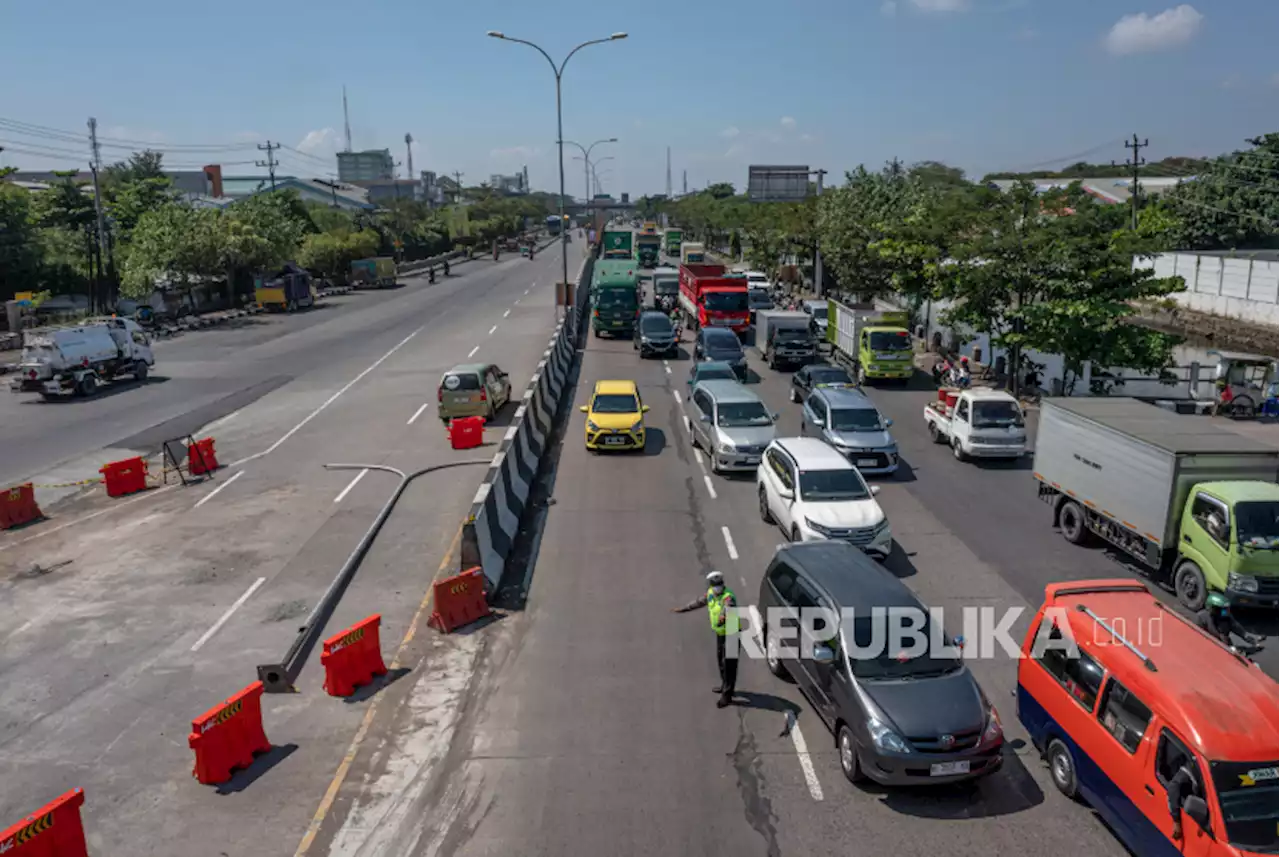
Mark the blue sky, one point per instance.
(981, 84)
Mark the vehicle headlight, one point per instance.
(886, 739)
(881, 528)
(1242, 582)
(592, 426)
(994, 731)
(817, 528)
(638, 425)
(726, 448)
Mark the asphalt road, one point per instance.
(590, 726)
(124, 620)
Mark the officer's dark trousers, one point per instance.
(728, 668)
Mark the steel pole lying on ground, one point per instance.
(279, 678)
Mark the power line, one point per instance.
(1067, 159)
(316, 158)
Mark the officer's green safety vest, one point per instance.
(720, 623)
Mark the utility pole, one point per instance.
(96, 166)
(457, 193)
(668, 172)
(333, 187)
(817, 251)
(408, 150)
(684, 182)
(270, 162)
(1135, 162)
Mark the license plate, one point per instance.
(615, 440)
(616, 323)
(947, 769)
(753, 459)
(867, 462)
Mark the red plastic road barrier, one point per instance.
(18, 506)
(459, 600)
(466, 432)
(54, 830)
(228, 736)
(202, 458)
(125, 477)
(352, 658)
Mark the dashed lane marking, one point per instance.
(214, 493)
(472, 352)
(806, 763)
(350, 485)
(492, 329)
(204, 638)
(676, 394)
(417, 413)
(507, 313)
(728, 543)
(711, 489)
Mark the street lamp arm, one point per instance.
(560, 70)
(547, 56)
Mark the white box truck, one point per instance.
(783, 338)
(1188, 498)
(78, 359)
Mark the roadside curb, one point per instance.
(493, 522)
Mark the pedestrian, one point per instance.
(724, 623)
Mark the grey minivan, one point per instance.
(730, 423)
(845, 418)
(899, 716)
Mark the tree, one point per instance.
(140, 167)
(720, 190)
(279, 219)
(19, 251)
(937, 174)
(1233, 203)
(331, 254)
(175, 242)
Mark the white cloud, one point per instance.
(889, 8)
(730, 132)
(514, 153)
(319, 140)
(941, 5)
(788, 123)
(1141, 33)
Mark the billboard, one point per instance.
(777, 183)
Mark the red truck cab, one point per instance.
(709, 297)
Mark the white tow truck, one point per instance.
(78, 359)
(977, 423)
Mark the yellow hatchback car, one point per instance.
(615, 417)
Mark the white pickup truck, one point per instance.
(980, 424)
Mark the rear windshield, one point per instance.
(709, 373)
(459, 382)
(615, 403)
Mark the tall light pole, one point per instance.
(595, 172)
(558, 70)
(591, 170)
(586, 158)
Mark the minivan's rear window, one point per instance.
(459, 382)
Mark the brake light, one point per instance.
(596, 313)
(484, 395)
(439, 394)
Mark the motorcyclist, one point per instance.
(675, 321)
(431, 274)
(1216, 619)
(446, 267)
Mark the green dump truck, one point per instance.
(648, 250)
(373, 273)
(674, 237)
(615, 297)
(616, 244)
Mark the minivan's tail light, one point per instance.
(439, 394)
(484, 395)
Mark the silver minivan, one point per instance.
(730, 423)
(849, 421)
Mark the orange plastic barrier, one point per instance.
(942, 394)
(125, 477)
(54, 830)
(459, 600)
(202, 457)
(228, 736)
(466, 432)
(352, 658)
(18, 506)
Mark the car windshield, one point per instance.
(996, 414)
(725, 301)
(791, 335)
(875, 654)
(1248, 797)
(721, 340)
(465, 381)
(819, 311)
(843, 484)
(1258, 524)
(616, 298)
(615, 403)
(855, 419)
(709, 372)
(655, 324)
(742, 415)
(829, 375)
(883, 340)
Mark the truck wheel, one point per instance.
(87, 386)
(140, 371)
(1188, 582)
(291, 306)
(957, 449)
(935, 434)
(1062, 768)
(1072, 523)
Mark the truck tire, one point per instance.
(937, 436)
(140, 369)
(1189, 584)
(87, 386)
(1071, 521)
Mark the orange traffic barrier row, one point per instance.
(54, 830)
(125, 477)
(459, 600)
(353, 658)
(18, 506)
(227, 737)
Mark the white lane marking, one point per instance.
(728, 543)
(492, 329)
(78, 521)
(668, 368)
(507, 313)
(204, 638)
(417, 413)
(676, 394)
(806, 763)
(214, 493)
(472, 352)
(526, 291)
(697, 455)
(350, 485)
(756, 623)
(327, 402)
(517, 300)
(711, 489)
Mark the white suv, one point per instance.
(812, 492)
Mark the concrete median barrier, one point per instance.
(493, 521)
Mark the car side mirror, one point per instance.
(704, 418)
(1195, 807)
(583, 408)
(823, 654)
(875, 489)
(775, 416)
(644, 409)
(786, 494)
(888, 423)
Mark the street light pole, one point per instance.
(586, 158)
(559, 73)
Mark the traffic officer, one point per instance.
(724, 623)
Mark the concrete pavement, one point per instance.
(125, 619)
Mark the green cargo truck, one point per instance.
(674, 237)
(375, 273)
(616, 244)
(615, 296)
(648, 250)
(874, 344)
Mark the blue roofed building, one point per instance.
(337, 194)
